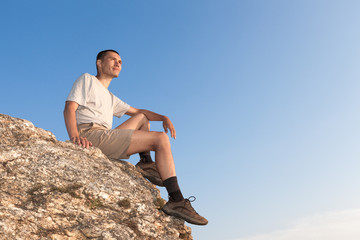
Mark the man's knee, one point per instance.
(163, 139)
(142, 119)
(139, 116)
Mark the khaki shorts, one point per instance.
(112, 142)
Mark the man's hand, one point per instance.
(81, 141)
(167, 124)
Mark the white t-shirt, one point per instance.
(96, 103)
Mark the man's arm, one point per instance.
(151, 116)
(71, 125)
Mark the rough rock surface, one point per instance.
(56, 190)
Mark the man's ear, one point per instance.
(98, 63)
(98, 66)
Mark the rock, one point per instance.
(56, 190)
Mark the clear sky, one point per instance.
(264, 96)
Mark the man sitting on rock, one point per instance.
(88, 114)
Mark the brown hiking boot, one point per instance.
(150, 172)
(185, 211)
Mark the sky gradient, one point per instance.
(263, 96)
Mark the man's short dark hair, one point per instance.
(102, 54)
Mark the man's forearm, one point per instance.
(70, 122)
(153, 116)
(71, 125)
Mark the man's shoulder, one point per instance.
(87, 77)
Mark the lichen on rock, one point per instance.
(56, 190)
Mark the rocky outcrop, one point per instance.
(56, 190)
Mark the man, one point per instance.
(88, 115)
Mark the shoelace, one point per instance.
(189, 200)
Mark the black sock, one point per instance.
(172, 187)
(145, 157)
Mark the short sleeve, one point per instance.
(80, 90)
(120, 107)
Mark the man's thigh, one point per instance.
(142, 141)
(135, 122)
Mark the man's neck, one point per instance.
(105, 80)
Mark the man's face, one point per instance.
(110, 65)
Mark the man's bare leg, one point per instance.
(143, 140)
(138, 122)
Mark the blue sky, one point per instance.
(263, 95)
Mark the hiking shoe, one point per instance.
(150, 172)
(185, 211)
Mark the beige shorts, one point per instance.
(112, 142)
